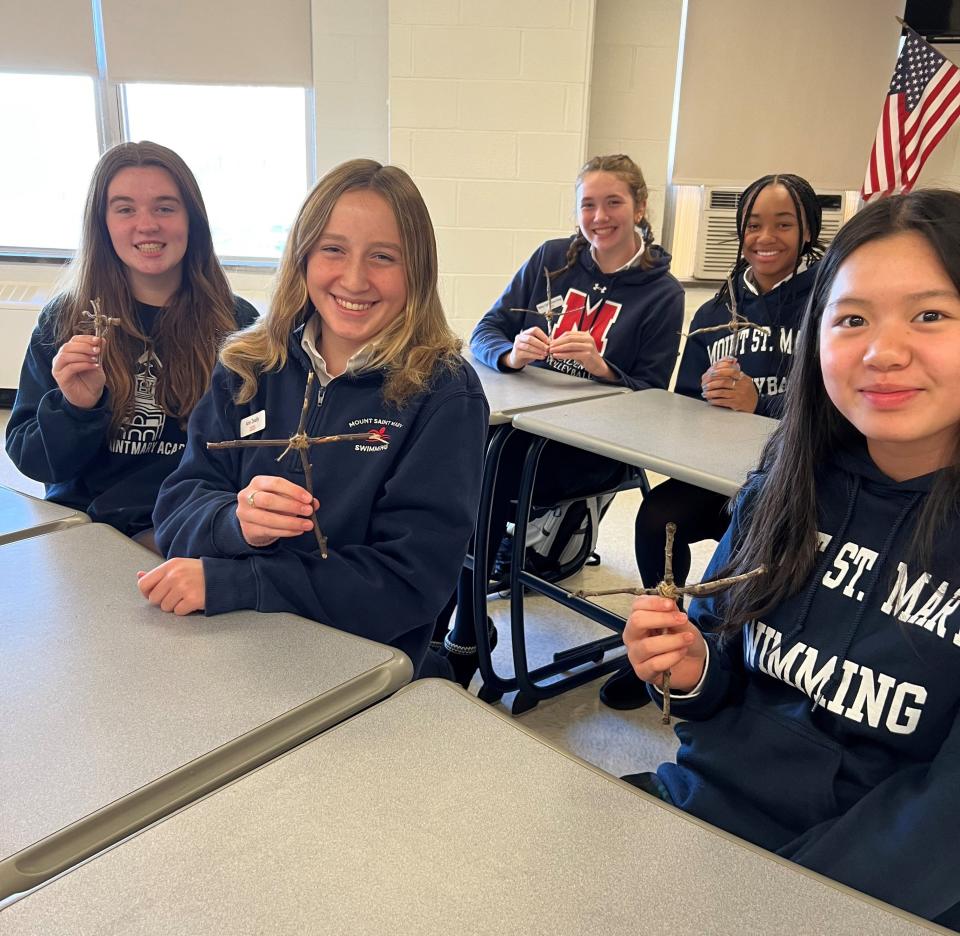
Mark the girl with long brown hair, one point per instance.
(822, 698)
(101, 421)
(356, 307)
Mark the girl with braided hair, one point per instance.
(613, 314)
(736, 357)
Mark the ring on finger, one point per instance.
(250, 500)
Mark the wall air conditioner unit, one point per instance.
(717, 234)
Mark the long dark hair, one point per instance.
(194, 322)
(628, 172)
(809, 215)
(780, 529)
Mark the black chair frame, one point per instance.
(534, 685)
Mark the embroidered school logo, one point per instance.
(140, 433)
(378, 433)
(596, 319)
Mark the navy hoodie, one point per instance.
(635, 316)
(764, 358)
(398, 518)
(114, 478)
(828, 733)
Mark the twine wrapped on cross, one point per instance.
(102, 323)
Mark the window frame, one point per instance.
(110, 108)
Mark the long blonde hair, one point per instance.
(413, 346)
(194, 322)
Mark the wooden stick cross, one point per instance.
(301, 443)
(737, 321)
(102, 323)
(550, 315)
(668, 589)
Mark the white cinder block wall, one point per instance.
(350, 49)
(488, 112)
(631, 92)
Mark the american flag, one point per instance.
(921, 106)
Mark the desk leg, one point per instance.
(494, 685)
(529, 682)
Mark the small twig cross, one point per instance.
(667, 589)
(550, 314)
(300, 442)
(737, 321)
(102, 323)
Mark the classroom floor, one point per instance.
(619, 742)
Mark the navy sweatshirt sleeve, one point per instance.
(771, 406)
(656, 345)
(493, 335)
(48, 438)
(695, 360)
(395, 581)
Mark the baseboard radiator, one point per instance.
(20, 304)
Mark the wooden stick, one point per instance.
(737, 321)
(667, 581)
(697, 591)
(308, 441)
(308, 478)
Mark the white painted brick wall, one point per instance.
(350, 54)
(631, 95)
(487, 105)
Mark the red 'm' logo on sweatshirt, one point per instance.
(580, 315)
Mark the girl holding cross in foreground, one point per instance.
(356, 304)
(822, 697)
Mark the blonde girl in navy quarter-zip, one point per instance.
(822, 698)
(357, 306)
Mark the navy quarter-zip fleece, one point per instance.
(398, 517)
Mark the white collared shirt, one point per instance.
(309, 343)
(748, 278)
(630, 264)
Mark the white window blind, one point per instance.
(246, 42)
(47, 37)
(776, 85)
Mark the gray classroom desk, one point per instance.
(432, 813)
(682, 438)
(533, 388)
(114, 713)
(22, 515)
